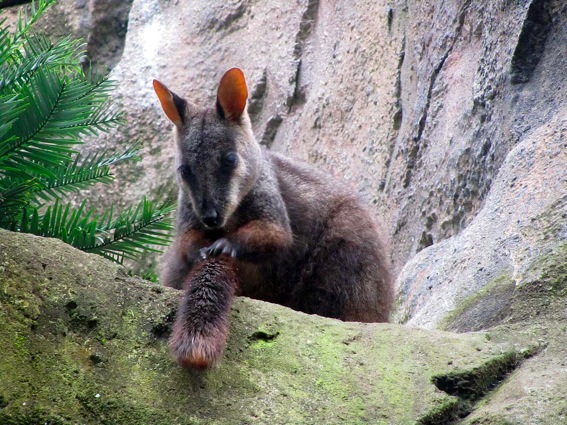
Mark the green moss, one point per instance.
(540, 287)
(550, 271)
(19, 342)
(265, 335)
(96, 353)
(487, 307)
(490, 420)
(391, 363)
(335, 378)
(467, 387)
(542, 290)
(549, 224)
(444, 412)
(473, 384)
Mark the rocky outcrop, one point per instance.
(102, 24)
(416, 104)
(522, 221)
(449, 117)
(84, 343)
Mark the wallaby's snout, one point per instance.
(211, 217)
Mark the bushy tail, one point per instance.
(201, 327)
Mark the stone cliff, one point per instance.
(448, 116)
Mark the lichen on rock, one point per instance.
(85, 343)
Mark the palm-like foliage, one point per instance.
(47, 104)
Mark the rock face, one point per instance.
(523, 219)
(448, 116)
(416, 104)
(102, 24)
(84, 343)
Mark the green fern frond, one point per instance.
(6, 45)
(58, 113)
(26, 21)
(126, 237)
(103, 118)
(135, 231)
(131, 153)
(30, 143)
(47, 104)
(59, 221)
(10, 108)
(9, 43)
(101, 85)
(39, 53)
(14, 198)
(81, 174)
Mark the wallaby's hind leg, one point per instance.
(201, 327)
(174, 268)
(347, 274)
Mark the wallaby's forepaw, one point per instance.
(221, 246)
(196, 350)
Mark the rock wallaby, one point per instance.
(255, 223)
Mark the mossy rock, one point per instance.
(84, 343)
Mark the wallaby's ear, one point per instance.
(232, 94)
(172, 105)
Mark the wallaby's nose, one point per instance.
(211, 218)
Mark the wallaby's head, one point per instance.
(218, 158)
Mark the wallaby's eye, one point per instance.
(184, 171)
(229, 161)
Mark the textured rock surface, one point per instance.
(82, 342)
(449, 116)
(522, 220)
(536, 392)
(102, 24)
(417, 104)
(461, 113)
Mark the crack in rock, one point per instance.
(416, 140)
(469, 387)
(306, 27)
(531, 42)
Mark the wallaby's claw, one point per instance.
(221, 246)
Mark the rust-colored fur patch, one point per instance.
(198, 351)
(263, 235)
(191, 240)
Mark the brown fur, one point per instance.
(260, 224)
(263, 240)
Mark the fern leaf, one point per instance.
(25, 21)
(10, 108)
(57, 115)
(5, 43)
(39, 53)
(59, 221)
(81, 174)
(135, 231)
(13, 198)
(47, 104)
